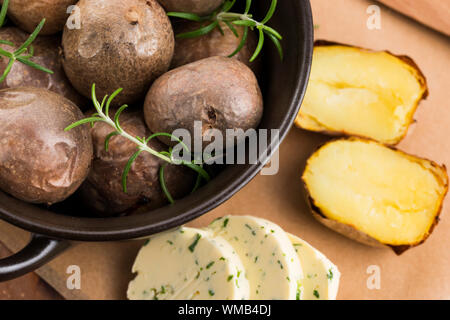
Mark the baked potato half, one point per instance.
(375, 194)
(360, 92)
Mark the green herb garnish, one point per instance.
(211, 292)
(231, 19)
(194, 244)
(330, 274)
(316, 294)
(25, 52)
(102, 115)
(209, 265)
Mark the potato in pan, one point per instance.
(27, 14)
(103, 189)
(374, 194)
(46, 54)
(215, 43)
(39, 161)
(200, 7)
(359, 92)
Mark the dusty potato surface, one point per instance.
(200, 7)
(27, 14)
(122, 44)
(220, 92)
(39, 162)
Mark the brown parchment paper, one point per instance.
(420, 273)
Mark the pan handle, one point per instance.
(35, 254)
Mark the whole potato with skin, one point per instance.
(200, 7)
(45, 54)
(215, 43)
(39, 161)
(27, 14)
(103, 190)
(221, 92)
(121, 44)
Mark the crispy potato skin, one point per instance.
(39, 162)
(221, 92)
(122, 44)
(213, 44)
(406, 59)
(350, 231)
(45, 54)
(27, 14)
(103, 189)
(200, 7)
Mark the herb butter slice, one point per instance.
(185, 264)
(271, 263)
(321, 281)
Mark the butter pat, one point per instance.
(321, 280)
(271, 264)
(187, 264)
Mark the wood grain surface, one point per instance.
(433, 13)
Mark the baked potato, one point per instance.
(122, 44)
(374, 194)
(200, 7)
(215, 43)
(46, 54)
(39, 162)
(27, 14)
(220, 92)
(103, 190)
(360, 92)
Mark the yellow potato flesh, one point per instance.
(391, 196)
(359, 92)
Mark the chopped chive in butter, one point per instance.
(209, 265)
(316, 294)
(330, 274)
(194, 244)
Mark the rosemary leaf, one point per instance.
(186, 16)
(162, 181)
(241, 44)
(200, 32)
(127, 169)
(108, 138)
(259, 46)
(83, 121)
(277, 44)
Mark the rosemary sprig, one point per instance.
(102, 115)
(25, 52)
(231, 19)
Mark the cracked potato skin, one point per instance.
(122, 44)
(103, 191)
(215, 43)
(39, 161)
(199, 7)
(27, 14)
(45, 54)
(221, 92)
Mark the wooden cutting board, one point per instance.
(432, 13)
